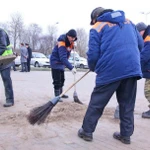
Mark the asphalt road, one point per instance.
(35, 88)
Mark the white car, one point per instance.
(74, 53)
(80, 62)
(17, 61)
(71, 60)
(39, 60)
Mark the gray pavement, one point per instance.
(35, 88)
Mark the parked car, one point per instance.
(48, 56)
(39, 60)
(80, 62)
(71, 60)
(74, 53)
(17, 61)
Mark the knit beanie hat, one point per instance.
(141, 26)
(72, 33)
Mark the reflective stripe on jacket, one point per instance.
(113, 52)
(8, 51)
(61, 53)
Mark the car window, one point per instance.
(33, 55)
(70, 58)
(76, 59)
(39, 55)
(74, 54)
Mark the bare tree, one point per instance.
(44, 44)
(26, 36)
(39, 42)
(34, 32)
(15, 28)
(52, 32)
(47, 42)
(82, 41)
(4, 26)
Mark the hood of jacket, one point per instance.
(64, 38)
(116, 17)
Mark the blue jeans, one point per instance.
(24, 67)
(5, 74)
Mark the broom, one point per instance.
(5, 60)
(39, 114)
(75, 96)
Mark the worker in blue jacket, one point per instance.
(59, 60)
(144, 31)
(114, 56)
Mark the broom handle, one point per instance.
(74, 81)
(74, 84)
(74, 66)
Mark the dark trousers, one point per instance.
(13, 65)
(24, 67)
(28, 64)
(126, 95)
(5, 74)
(58, 78)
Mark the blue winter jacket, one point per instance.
(61, 53)
(145, 54)
(114, 45)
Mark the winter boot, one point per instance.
(8, 104)
(84, 135)
(146, 114)
(63, 96)
(57, 93)
(118, 136)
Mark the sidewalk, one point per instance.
(60, 132)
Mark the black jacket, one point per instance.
(29, 53)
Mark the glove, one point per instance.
(74, 71)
